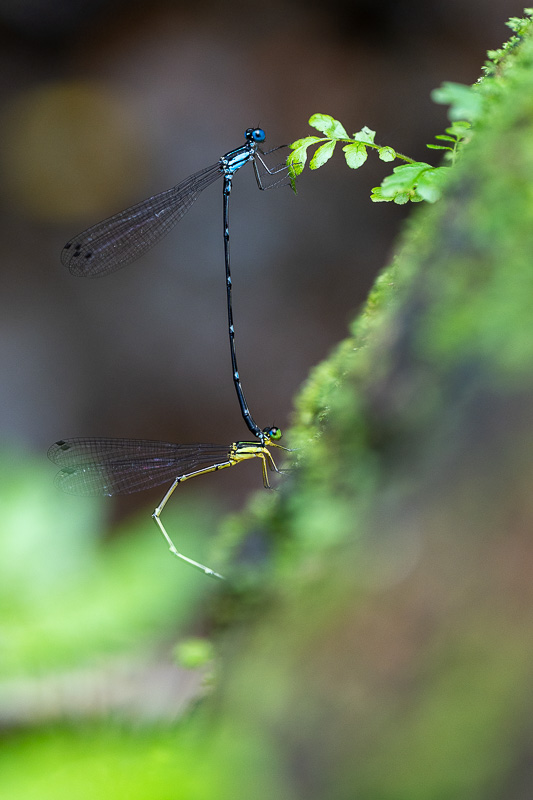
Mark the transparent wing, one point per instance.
(122, 238)
(102, 466)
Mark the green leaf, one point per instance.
(332, 128)
(401, 199)
(445, 138)
(387, 153)
(518, 25)
(322, 155)
(296, 161)
(377, 197)
(365, 135)
(464, 101)
(305, 142)
(459, 129)
(431, 183)
(355, 154)
(415, 182)
(439, 147)
(403, 178)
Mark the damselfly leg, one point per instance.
(106, 466)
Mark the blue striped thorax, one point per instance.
(237, 158)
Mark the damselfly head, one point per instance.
(255, 135)
(273, 433)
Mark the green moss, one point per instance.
(401, 669)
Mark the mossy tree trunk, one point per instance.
(394, 654)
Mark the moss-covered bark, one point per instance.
(394, 654)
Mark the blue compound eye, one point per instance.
(258, 135)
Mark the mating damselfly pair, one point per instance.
(97, 465)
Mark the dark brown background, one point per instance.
(105, 103)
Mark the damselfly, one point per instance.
(122, 238)
(100, 466)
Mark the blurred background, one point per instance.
(105, 103)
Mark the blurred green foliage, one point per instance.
(66, 598)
